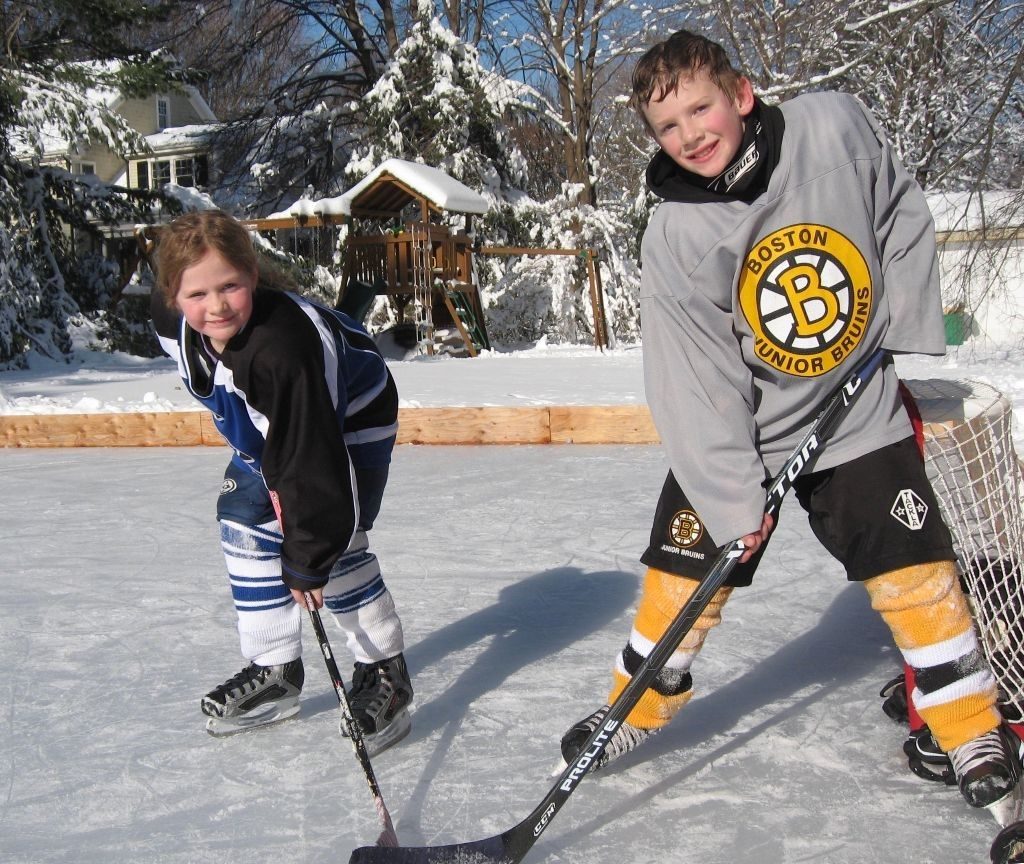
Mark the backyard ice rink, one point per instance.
(515, 571)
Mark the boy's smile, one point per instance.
(216, 298)
(699, 125)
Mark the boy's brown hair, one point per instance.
(676, 59)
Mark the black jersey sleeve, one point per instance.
(305, 462)
(165, 319)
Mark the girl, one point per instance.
(307, 403)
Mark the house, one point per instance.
(176, 126)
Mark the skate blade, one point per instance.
(266, 715)
(388, 737)
(559, 769)
(1009, 808)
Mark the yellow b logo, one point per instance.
(806, 293)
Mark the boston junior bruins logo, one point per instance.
(685, 529)
(806, 293)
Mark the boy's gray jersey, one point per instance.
(753, 313)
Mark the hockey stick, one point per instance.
(511, 846)
(388, 837)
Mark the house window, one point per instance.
(191, 171)
(161, 173)
(183, 170)
(163, 113)
(202, 170)
(87, 168)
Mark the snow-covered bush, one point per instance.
(34, 307)
(532, 296)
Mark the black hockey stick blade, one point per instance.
(489, 851)
(511, 846)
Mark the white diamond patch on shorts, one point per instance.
(909, 509)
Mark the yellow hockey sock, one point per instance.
(664, 594)
(925, 608)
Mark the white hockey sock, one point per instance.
(362, 604)
(269, 620)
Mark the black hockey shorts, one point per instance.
(873, 514)
(244, 497)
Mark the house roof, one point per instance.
(111, 99)
(391, 186)
(965, 211)
(179, 138)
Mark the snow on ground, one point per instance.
(550, 375)
(515, 570)
(544, 375)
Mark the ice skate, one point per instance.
(987, 771)
(380, 698)
(926, 759)
(256, 696)
(625, 738)
(895, 695)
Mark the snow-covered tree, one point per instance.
(291, 132)
(435, 103)
(53, 62)
(937, 87)
(935, 74)
(237, 51)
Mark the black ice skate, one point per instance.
(987, 771)
(927, 759)
(256, 696)
(624, 739)
(380, 698)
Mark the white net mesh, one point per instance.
(974, 469)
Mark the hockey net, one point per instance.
(974, 469)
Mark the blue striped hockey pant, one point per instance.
(269, 620)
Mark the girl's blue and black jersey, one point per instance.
(303, 396)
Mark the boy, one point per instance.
(790, 243)
(306, 401)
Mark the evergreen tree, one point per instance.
(436, 104)
(54, 60)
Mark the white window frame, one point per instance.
(179, 164)
(173, 163)
(160, 175)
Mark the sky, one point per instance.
(515, 572)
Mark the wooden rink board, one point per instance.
(585, 424)
(943, 415)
